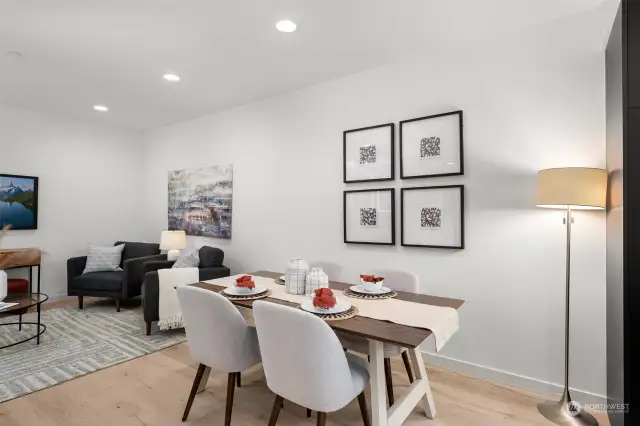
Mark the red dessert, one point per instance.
(324, 298)
(371, 278)
(245, 281)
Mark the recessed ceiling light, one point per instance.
(100, 108)
(286, 26)
(171, 77)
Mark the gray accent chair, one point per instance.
(117, 285)
(210, 267)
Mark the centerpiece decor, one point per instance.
(315, 279)
(295, 276)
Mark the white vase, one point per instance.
(295, 276)
(315, 279)
(3, 285)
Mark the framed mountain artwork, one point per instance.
(18, 201)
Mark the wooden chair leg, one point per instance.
(387, 375)
(148, 328)
(194, 389)
(231, 387)
(275, 411)
(117, 305)
(364, 410)
(239, 379)
(322, 419)
(80, 302)
(308, 413)
(407, 365)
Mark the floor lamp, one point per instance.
(573, 188)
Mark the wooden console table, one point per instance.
(22, 258)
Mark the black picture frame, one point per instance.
(423, 188)
(461, 159)
(393, 215)
(35, 199)
(392, 145)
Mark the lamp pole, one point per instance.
(567, 412)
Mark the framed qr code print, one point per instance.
(368, 154)
(369, 216)
(432, 216)
(431, 146)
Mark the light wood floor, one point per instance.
(152, 391)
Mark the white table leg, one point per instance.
(204, 380)
(421, 374)
(378, 388)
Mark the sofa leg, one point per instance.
(148, 328)
(80, 300)
(118, 305)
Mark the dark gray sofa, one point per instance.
(210, 267)
(118, 285)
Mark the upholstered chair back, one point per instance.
(217, 333)
(399, 280)
(302, 358)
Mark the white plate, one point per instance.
(239, 291)
(341, 306)
(361, 290)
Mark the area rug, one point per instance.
(76, 343)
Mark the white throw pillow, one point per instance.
(103, 258)
(187, 260)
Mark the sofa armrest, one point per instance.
(151, 287)
(151, 296)
(213, 273)
(156, 265)
(134, 274)
(75, 266)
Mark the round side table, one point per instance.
(23, 303)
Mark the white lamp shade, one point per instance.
(575, 187)
(173, 240)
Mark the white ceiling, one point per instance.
(78, 53)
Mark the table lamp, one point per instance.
(173, 241)
(572, 188)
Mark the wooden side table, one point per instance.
(22, 258)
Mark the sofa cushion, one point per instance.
(103, 259)
(99, 281)
(210, 257)
(133, 250)
(187, 260)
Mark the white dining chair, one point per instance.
(219, 338)
(333, 270)
(304, 362)
(399, 281)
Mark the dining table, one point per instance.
(377, 333)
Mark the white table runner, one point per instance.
(442, 321)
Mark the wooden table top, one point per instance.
(20, 257)
(388, 332)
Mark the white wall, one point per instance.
(89, 186)
(521, 114)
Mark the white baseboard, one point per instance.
(552, 390)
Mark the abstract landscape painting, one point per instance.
(200, 201)
(18, 202)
